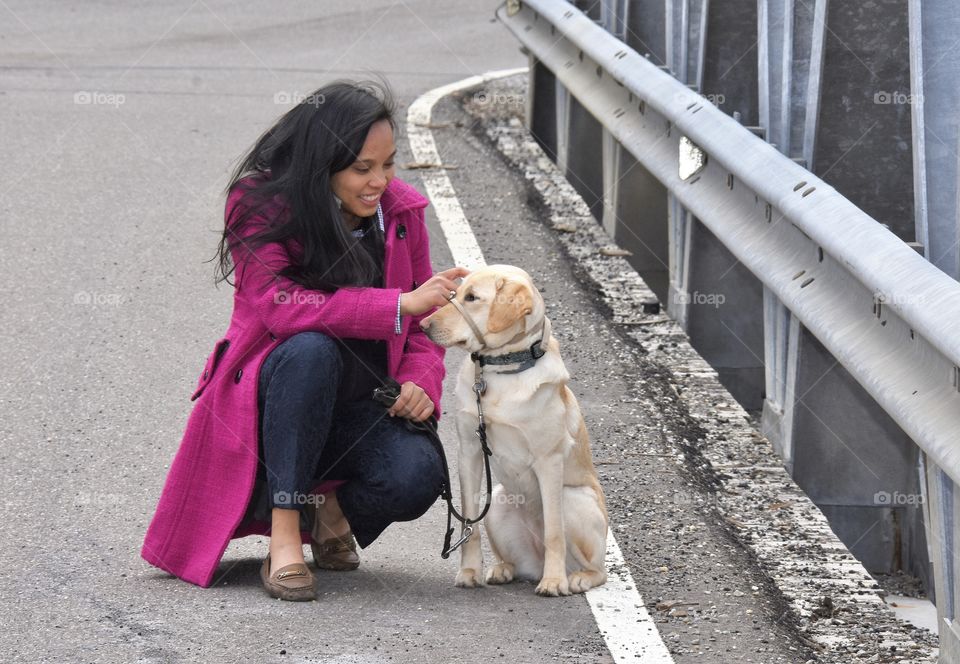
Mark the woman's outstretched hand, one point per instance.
(413, 403)
(433, 293)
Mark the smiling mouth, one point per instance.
(370, 200)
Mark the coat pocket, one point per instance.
(210, 368)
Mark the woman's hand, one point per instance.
(413, 403)
(434, 293)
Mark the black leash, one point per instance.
(386, 396)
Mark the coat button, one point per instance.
(273, 337)
(236, 379)
(205, 372)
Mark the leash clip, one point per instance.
(464, 536)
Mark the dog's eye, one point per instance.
(469, 297)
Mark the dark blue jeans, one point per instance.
(308, 435)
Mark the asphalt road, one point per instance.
(120, 124)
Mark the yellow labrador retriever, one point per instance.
(547, 520)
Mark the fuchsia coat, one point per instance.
(212, 476)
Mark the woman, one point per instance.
(332, 274)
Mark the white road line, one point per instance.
(630, 633)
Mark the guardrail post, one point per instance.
(840, 446)
(944, 510)
(864, 126)
(934, 99)
(729, 78)
(591, 8)
(935, 96)
(717, 300)
(686, 22)
(542, 107)
(724, 315)
(580, 150)
(855, 463)
(644, 29)
(635, 214)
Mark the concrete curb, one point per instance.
(836, 603)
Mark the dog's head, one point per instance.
(500, 299)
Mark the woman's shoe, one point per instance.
(337, 553)
(293, 583)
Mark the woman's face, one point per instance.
(360, 185)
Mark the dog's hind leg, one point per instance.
(513, 540)
(586, 531)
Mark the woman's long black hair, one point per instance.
(294, 161)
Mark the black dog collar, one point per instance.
(527, 359)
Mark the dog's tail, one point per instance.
(581, 561)
(577, 555)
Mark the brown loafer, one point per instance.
(293, 583)
(337, 553)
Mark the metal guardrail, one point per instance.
(889, 317)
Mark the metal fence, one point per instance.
(831, 325)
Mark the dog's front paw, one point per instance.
(500, 573)
(553, 587)
(468, 578)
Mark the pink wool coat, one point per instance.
(212, 476)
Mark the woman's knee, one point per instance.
(311, 347)
(414, 483)
(309, 352)
(294, 366)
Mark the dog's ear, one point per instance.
(512, 302)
